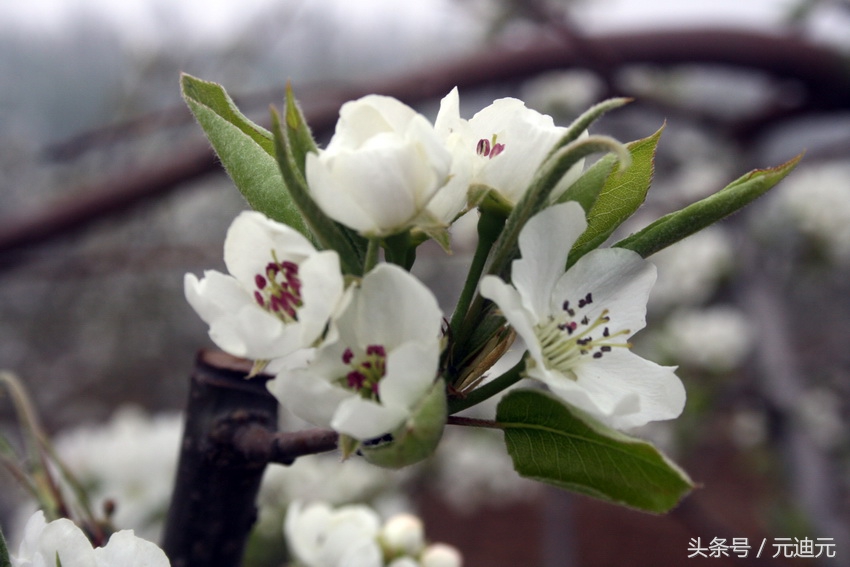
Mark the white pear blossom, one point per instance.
(506, 142)
(352, 536)
(320, 536)
(139, 472)
(576, 324)
(366, 382)
(44, 543)
(279, 297)
(381, 168)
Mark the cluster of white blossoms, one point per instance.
(320, 536)
(62, 543)
(360, 354)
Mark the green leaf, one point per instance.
(329, 233)
(4, 552)
(675, 226)
(297, 131)
(246, 151)
(559, 445)
(586, 188)
(622, 194)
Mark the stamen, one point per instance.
(279, 291)
(367, 370)
(564, 341)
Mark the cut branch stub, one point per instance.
(213, 504)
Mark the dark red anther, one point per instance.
(376, 349)
(355, 379)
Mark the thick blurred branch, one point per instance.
(230, 436)
(821, 72)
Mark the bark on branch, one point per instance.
(230, 436)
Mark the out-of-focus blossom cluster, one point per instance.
(320, 536)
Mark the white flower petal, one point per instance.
(395, 307)
(251, 238)
(619, 280)
(411, 371)
(308, 394)
(511, 305)
(365, 419)
(43, 542)
(124, 549)
(621, 374)
(544, 243)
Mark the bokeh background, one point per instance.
(109, 194)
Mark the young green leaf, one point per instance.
(621, 195)
(246, 151)
(675, 226)
(586, 188)
(559, 445)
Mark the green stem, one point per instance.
(489, 227)
(472, 422)
(371, 255)
(489, 389)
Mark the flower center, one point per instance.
(278, 289)
(569, 335)
(366, 371)
(489, 148)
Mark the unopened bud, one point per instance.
(441, 555)
(404, 534)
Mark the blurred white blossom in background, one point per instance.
(815, 202)
(689, 272)
(716, 338)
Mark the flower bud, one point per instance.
(404, 534)
(441, 555)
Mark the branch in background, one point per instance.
(819, 70)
